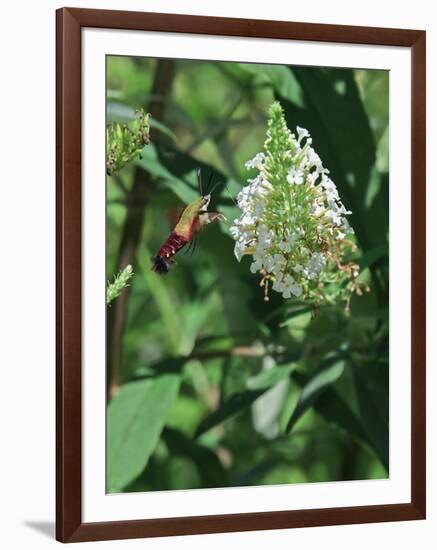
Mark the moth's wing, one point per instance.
(174, 215)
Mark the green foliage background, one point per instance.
(208, 375)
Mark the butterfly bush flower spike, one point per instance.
(293, 223)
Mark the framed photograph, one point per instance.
(240, 274)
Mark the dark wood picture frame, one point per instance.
(69, 525)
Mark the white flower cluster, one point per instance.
(292, 220)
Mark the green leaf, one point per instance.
(267, 409)
(268, 378)
(157, 125)
(208, 465)
(151, 163)
(178, 171)
(135, 419)
(382, 154)
(185, 167)
(371, 384)
(374, 187)
(333, 408)
(280, 78)
(235, 404)
(327, 375)
(364, 425)
(257, 385)
(374, 88)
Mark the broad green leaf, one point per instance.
(268, 378)
(185, 189)
(280, 78)
(371, 383)
(157, 125)
(374, 89)
(266, 410)
(327, 375)
(382, 154)
(208, 465)
(186, 413)
(184, 167)
(331, 406)
(135, 419)
(235, 404)
(179, 172)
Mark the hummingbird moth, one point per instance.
(192, 220)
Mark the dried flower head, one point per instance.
(124, 142)
(293, 222)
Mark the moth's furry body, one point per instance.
(193, 219)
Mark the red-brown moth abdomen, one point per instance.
(161, 263)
